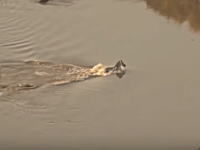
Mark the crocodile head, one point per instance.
(119, 69)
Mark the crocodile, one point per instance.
(32, 74)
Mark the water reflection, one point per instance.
(43, 1)
(178, 10)
(56, 2)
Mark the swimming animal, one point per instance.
(32, 74)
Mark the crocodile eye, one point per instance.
(124, 64)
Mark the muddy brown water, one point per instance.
(154, 106)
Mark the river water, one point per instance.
(154, 106)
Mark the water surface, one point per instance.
(155, 105)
